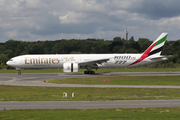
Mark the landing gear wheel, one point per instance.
(89, 72)
(19, 73)
(85, 72)
(92, 72)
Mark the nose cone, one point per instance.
(10, 63)
(7, 63)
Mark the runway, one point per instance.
(89, 104)
(36, 79)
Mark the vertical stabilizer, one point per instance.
(158, 45)
(154, 49)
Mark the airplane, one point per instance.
(74, 62)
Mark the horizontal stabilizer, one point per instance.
(159, 58)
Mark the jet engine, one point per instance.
(70, 67)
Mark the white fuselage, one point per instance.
(57, 61)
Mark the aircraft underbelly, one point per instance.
(39, 66)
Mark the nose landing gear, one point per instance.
(19, 72)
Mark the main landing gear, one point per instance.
(89, 72)
(89, 68)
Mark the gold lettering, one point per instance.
(39, 61)
(71, 58)
(33, 60)
(49, 60)
(58, 61)
(42, 60)
(53, 59)
(26, 60)
(45, 60)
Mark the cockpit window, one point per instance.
(11, 60)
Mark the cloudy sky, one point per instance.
(33, 20)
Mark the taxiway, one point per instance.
(36, 79)
(89, 104)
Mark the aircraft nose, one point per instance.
(7, 63)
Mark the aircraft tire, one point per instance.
(19, 73)
(92, 72)
(85, 72)
(89, 72)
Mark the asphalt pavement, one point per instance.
(36, 79)
(89, 104)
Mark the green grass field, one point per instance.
(94, 114)
(121, 80)
(15, 93)
(141, 69)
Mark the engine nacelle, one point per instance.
(70, 67)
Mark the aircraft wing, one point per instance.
(93, 62)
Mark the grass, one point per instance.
(172, 113)
(121, 80)
(141, 69)
(16, 93)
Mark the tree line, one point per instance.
(12, 48)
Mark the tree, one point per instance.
(117, 39)
(36, 49)
(116, 42)
(144, 44)
(11, 44)
(10, 55)
(20, 47)
(2, 49)
(47, 46)
(131, 50)
(3, 58)
(74, 52)
(60, 48)
(17, 52)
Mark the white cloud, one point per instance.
(126, 4)
(169, 22)
(72, 17)
(74, 36)
(12, 33)
(45, 19)
(2, 2)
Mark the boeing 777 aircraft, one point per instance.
(74, 62)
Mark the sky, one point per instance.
(39, 20)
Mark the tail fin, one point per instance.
(154, 49)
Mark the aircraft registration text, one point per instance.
(124, 57)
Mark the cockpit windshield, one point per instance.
(11, 60)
